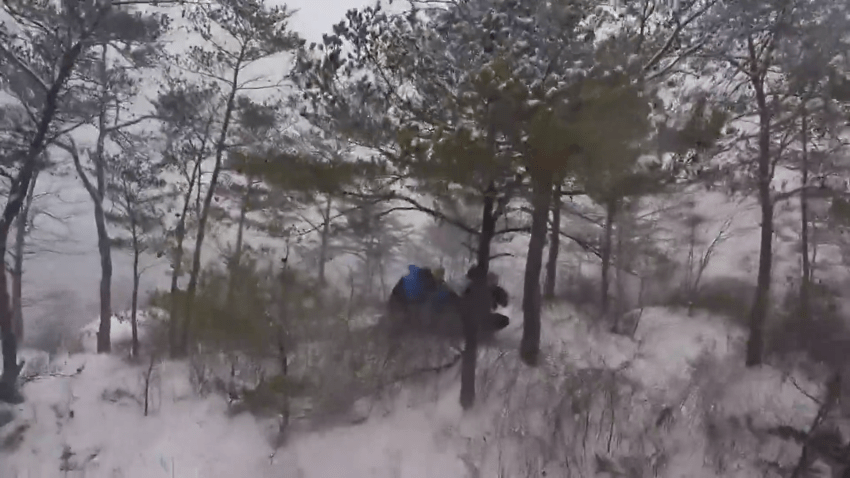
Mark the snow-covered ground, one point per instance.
(675, 397)
(84, 414)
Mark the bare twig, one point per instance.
(807, 394)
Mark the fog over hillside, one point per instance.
(479, 238)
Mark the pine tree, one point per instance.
(137, 191)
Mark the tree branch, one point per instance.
(33, 76)
(584, 244)
(119, 126)
(572, 192)
(71, 148)
(509, 192)
(820, 190)
(416, 206)
(500, 255)
(659, 55)
(513, 230)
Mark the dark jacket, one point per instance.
(499, 296)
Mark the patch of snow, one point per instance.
(670, 342)
(92, 416)
(121, 329)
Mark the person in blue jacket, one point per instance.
(412, 289)
(422, 296)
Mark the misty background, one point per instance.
(61, 272)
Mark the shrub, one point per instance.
(727, 296)
(822, 337)
(581, 290)
(279, 343)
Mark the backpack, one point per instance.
(417, 283)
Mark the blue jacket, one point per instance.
(414, 289)
(412, 282)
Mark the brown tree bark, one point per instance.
(554, 246)
(477, 305)
(758, 313)
(177, 261)
(540, 203)
(21, 223)
(236, 258)
(325, 239)
(805, 282)
(97, 191)
(134, 305)
(607, 246)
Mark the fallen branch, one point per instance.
(584, 244)
(426, 370)
(39, 376)
(500, 255)
(807, 394)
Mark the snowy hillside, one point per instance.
(673, 399)
(273, 192)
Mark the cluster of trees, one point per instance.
(512, 106)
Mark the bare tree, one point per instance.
(187, 111)
(136, 192)
(111, 71)
(42, 44)
(255, 32)
(699, 258)
(759, 42)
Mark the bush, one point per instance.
(582, 290)
(727, 296)
(823, 337)
(283, 344)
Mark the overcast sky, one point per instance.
(315, 17)
(71, 271)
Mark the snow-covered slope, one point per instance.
(85, 414)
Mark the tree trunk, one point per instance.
(21, 223)
(104, 345)
(690, 262)
(529, 349)
(236, 259)
(755, 342)
(191, 288)
(177, 260)
(17, 191)
(198, 197)
(554, 245)
(326, 235)
(382, 276)
(369, 273)
(134, 306)
(620, 266)
(607, 244)
(805, 285)
(11, 369)
(97, 193)
(758, 314)
(477, 306)
(283, 355)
